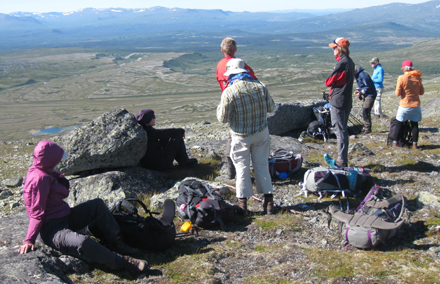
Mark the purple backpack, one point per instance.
(376, 219)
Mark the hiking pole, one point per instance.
(234, 189)
(261, 200)
(290, 210)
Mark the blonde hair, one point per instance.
(343, 50)
(229, 46)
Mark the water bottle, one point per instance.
(186, 227)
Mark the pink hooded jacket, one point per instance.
(43, 194)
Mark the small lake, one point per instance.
(55, 130)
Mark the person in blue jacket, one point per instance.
(365, 91)
(377, 78)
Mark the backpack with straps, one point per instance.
(143, 232)
(318, 130)
(376, 219)
(284, 161)
(203, 205)
(355, 181)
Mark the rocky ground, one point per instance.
(294, 246)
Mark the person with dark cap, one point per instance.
(409, 88)
(164, 145)
(244, 106)
(377, 78)
(58, 224)
(366, 92)
(341, 83)
(229, 48)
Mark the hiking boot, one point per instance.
(120, 247)
(268, 205)
(133, 264)
(242, 203)
(231, 168)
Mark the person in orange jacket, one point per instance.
(409, 88)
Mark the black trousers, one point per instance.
(60, 234)
(414, 130)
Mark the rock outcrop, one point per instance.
(292, 116)
(113, 140)
(114, 185)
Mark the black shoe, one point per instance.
(120, 247)
(133, 264)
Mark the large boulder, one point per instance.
(288, 143)
(292, 116)
(113, 140)
(114, 185)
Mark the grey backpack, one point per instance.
(376, 219)
(354, 181)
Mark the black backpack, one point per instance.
(405, 138)
(203, 205)
(317, 130)
(143, 232)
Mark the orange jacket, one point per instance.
(409, 87)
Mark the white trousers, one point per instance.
(377, 109)
(257, 148)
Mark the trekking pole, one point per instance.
(234, 189)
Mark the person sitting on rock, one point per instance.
(57, 223)
(164, 145)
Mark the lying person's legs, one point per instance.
(176, 150)
(60, 234)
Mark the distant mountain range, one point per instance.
(112, 27)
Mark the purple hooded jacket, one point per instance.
(43, 193)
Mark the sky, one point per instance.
(43, 6)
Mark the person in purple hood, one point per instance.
(164, 145)
(57, 223)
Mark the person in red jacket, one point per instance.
(341, 83)
(51, 217)
(229, 48)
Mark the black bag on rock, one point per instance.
(143, 232)
(203, 205)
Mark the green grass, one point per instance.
(384, 266)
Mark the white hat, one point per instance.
(65, 156)
(235, 66)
